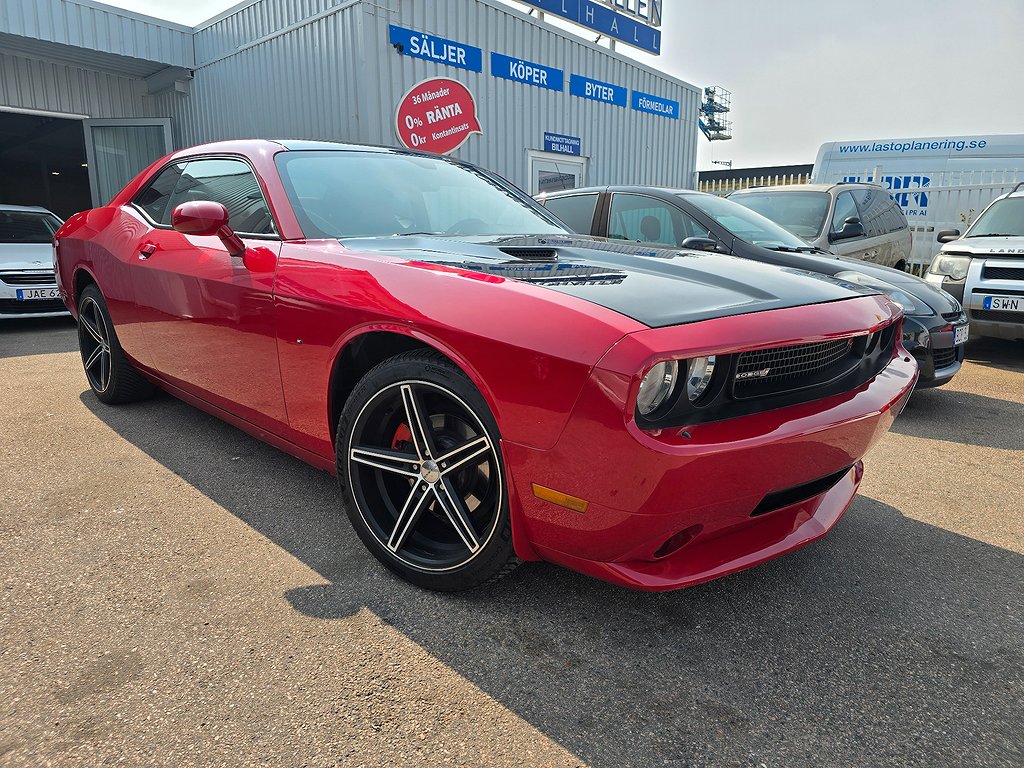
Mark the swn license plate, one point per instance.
(1005, 303)
(960, 334)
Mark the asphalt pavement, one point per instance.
(178, 593)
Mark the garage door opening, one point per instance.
(43, 162)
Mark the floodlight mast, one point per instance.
(716, 105)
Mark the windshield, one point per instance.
(802, 213)
(27, 227)
(373, 194)
(1003, 217)
(745, 223)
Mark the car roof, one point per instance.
(662, 191)
(273, 146)
(26, 209)
(809, 187)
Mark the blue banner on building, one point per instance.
(433, 48)
(596, 90)
(656, 105)
(603, 19)
(562, 145)
(528, 72)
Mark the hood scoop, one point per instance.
(532, 254)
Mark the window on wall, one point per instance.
(577, 211)
(649, 220)
(846, 208)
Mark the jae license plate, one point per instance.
(1005, 303)
(37, 294)
(960, 334)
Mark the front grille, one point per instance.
(15, 307)
(784, 369)
(997, 316)
(943, 358)
(1002, 273)
(27, 278)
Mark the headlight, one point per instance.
(910, 304)
(698, 375)
(657, 386)
(953, 267)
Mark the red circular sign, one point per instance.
(436, 115)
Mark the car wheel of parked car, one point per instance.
(419, 458)
(111, 376)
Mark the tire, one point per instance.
(112, 378)
(419, 461)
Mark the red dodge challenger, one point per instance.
(488, 387)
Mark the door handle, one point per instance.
(147, 250)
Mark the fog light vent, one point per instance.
(679, 540)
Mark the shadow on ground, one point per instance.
(37, 336)
(997, 353)
(963, 417)
(890, 642)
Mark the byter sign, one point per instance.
(436, 115)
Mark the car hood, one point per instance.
(653, 286)
(34, 257)
(983, 246)
(936, 299)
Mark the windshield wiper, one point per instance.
(790, 249)
(997, 234)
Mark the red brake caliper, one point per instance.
(402, 439)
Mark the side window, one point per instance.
(577, 211)
(153, 199)
(648, 220)
(872, 205)
(230, 183)
(845, 208)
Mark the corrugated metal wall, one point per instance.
(98, 27)
(324, 69)
(298, 84)
(624, 146)
(36, 84)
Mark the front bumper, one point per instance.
(972, 290)
(671, 508)
(11, 306)
(930, 340)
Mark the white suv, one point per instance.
(27, 284)
(985, 267)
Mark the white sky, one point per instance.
(803, 72)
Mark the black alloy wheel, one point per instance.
(111, 376)
(94, 343)
(419, 457)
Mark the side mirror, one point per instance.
(203, 218)
(851, 228)
(699, 244)
(947, 235)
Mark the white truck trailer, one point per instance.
(940, 183)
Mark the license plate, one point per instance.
(1005, 303)
(38, 294)
(960, 334)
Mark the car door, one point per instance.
(846, 208)
(209, 316)
(644, 219)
